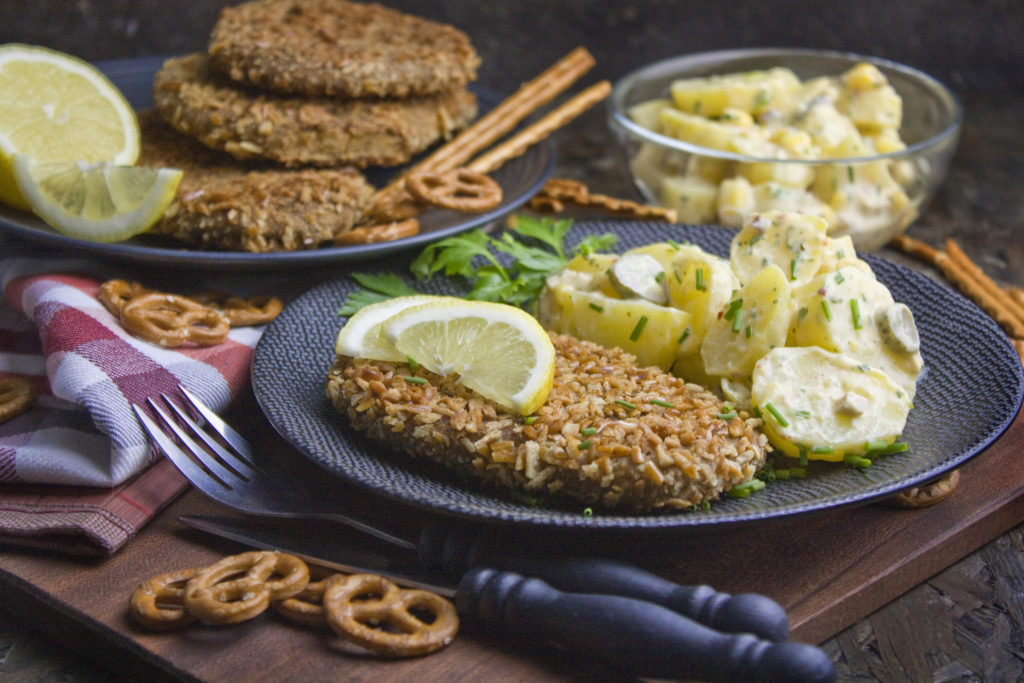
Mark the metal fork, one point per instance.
(224, 468)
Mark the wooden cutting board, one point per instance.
(828, 571)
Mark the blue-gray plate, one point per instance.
(520, 179)
(968, 395)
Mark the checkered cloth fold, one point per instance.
(77, 472)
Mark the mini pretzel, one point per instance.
(171, 320)
(17, 395)
(359, 607)
(114, 294)
(459, 189)
(237, 588)
(159, 602)
(241, 311)
(383, 232)
(307, 606)
(930, 494)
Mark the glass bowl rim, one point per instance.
(619, 118)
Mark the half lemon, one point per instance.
(499, 351)
(99, 202)
(55, 107)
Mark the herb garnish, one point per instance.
(508, 268)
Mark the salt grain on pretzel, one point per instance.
(170, 321)
(240, 587)
(17, 395)
(159, 601)
(459, 189)
(361, 606)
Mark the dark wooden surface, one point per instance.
(952, 613)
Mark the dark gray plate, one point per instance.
(520, 179)
(970, 392)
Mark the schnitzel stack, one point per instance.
(315, 89)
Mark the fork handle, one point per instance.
(458, 548)
(637, 637)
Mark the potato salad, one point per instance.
(793, 325)
(774, 117)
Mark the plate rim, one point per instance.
(544, 155)
(655, 522)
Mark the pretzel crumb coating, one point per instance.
(611, 433)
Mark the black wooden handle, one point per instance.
(455, 548)
(637, 637)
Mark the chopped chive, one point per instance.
(640, 324)
(849, 173)
(782, 474)
(856, 460)
(684, 335)
(797, 472)
(792, 269)
(529, 419)
(826, 309)
(415, 380)
(660, 276)
(896, 447)
(875, 445)
(413, 365)
(802, 413)
(584, 445)
(588, 431)
(823, 450)
(675, 245)
(839, 276)
(701, 287)
(663, 404)
(625, 404)
(770, 407)
(727, 416)
(855, 310)
(588, 512)
(596, 307)
(746, 488)
(737, 321)
(803, 457)
(679, 279)
(734, 306)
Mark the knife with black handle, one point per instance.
(457, 547)
(635, 637)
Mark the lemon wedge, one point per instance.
(55, 107)
(499, 351)
(363, 334)
(99, 202)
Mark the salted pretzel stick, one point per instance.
(917, 248)
(536, 132)
(972, 287)
(999, 294)
(496, 123)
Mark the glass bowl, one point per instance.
(872, 195)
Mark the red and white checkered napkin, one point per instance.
(77, 472)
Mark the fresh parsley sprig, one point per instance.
(510, 268)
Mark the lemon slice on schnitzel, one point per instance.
(499, 351)
(99, 202)
(363, 334)
(55, 107)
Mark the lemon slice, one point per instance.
(497, 350)
(99, 202)
(363, 334)
(54, 107)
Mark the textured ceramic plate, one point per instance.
(970, 392)
(520, 179)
